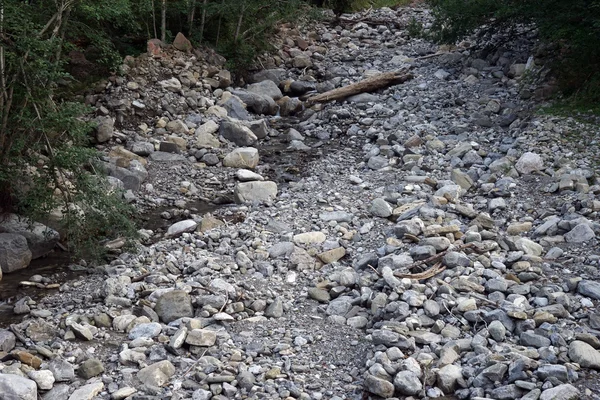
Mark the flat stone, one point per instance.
(580, 233)
(561, 392)
(332, 255)
(90, 368)
(379, 387)
(178, 228)
(87, 392)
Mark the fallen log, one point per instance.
(370, 84)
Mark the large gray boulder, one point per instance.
(275, 75)
(242, 157)
(40, 238)
(257, 103)
(247, 192)
(266, 88)
(237, 133)
(14, 252)
(17, 387)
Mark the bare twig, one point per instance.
(431, 272)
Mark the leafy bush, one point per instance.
(574, 26)
(45, 161)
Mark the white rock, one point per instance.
(188, 225)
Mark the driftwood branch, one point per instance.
(370, 84)
(431, 272)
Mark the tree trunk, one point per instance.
(371, 84)
(219, 24)
(238, 28)
(203, 20)
(154, 19)
(191, 15)
(163, 21)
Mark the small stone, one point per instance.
(379, 387)
(87, 392)
(580, 233)
(275, 309)
(44, 379)
(174, 305)
(201, 337)
(407, 383)
(321, 295)
(332, 255)
(381, 208)
(561, 392)
(584, 354)
(90, 368)
(529, 162)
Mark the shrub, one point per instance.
(573, 25)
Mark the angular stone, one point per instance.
(407, 383)
(157, 374)
(256, 191)
(182, 43)
(242, 157)
(379, 387)
(332, 255)
(90, 368)
(589, 289)
(237, 133)
(529, 162)
(580, 233)
(310, 238)
(201, 337)
(87, 392)
(174, 305)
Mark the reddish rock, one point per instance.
(154, 47)
(182, 43)
(302, 44)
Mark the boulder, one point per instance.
(174, 305)
(247, 192)
(257, 103)
(40, 239)
(14, 252)
(157, 374)
(182, 43)
(266, 88)
(17, 387)
(105, 127)
(237, 133)
(529, 162)
(242, 157)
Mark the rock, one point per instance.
(242, 157)
(266, 88)
(407, 383)
(81, 331)
(332, 255)
(182, 43)
(174, 305)
(8, 340)
(14, 252)
(44, 379)
(257, 103)
(40, 239)
(381, 208)
(448, 376)
(244, 175)
(142, 148)
(275, 309)
(105, 127)
(497, 331)
(561, 392)
(379, 387)
(309, 238)
(236, 109)
(62, 370)
(531, 339)
(529, 162)
(589, 289)
(17, 387)
(157, 374)
(87, 392)
(147, 330)
(320, 295)
(584, 354)
(248, 192)
(237, 133)
(529, 247)
(171, 84)
(178, 228)
(201, 337)
(90, 368)
(580, 233)
(275, 75)
(123, 393)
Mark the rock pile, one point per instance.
(444, 244)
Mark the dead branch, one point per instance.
(370, 84)
(431, 272)
(443, 253)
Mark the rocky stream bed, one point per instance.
(434, 239)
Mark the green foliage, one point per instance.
(43, 141)
(574, 26)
